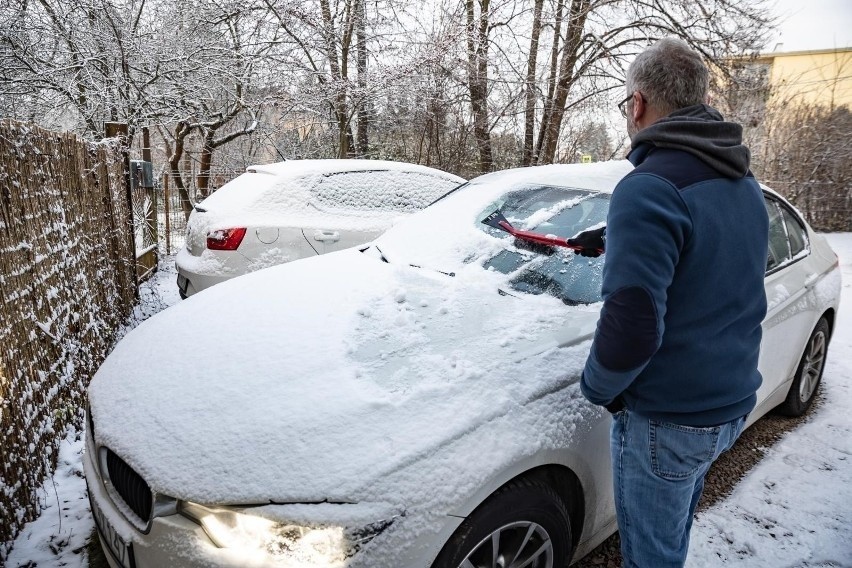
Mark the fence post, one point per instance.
(151, 220)
(168, 213)
(119, 130)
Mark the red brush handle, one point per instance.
(538, 237)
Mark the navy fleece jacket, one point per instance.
(686, 246)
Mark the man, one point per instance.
(675, 352)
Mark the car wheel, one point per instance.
(808, 373)
(524, 524)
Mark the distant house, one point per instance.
(796, 110)
(821, 76)
(771, 82)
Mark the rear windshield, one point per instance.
(380, 189)
(244, 191)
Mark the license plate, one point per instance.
(121, 551)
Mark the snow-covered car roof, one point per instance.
(313, 192)
(298, 168)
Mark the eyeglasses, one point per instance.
(622, 105)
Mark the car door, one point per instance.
(789, 316)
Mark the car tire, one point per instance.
(524, 520)
(808, 373)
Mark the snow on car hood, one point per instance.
(311, 380)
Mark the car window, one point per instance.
(558, 272)
(380, 189)
(795, 232)
(779, 246)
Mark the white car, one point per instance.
(413, 402)
(280, 212)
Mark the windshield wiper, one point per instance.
(450, 274)
(381, 255)
(384, 259)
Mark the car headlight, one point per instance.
(323, 545)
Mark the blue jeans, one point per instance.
(658, 473)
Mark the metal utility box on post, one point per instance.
(141, 174)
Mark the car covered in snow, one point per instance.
(412, 402)
(280, 212)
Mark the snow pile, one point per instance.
(405, 192)
(308, 367)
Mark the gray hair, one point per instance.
(670, 75)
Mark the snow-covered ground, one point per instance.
(793, 510)
(795, 507)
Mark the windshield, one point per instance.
(549, 210)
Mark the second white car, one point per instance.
(281, 212)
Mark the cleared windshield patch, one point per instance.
(559, 211)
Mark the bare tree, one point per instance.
(363, 146)
(814, 172)
(798, 136)
(231, 81)
(590, 43)
(531, 91)
(78, 62)
(217, 95)
(477, 14)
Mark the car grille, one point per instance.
(130, 486)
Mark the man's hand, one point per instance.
(591, 242)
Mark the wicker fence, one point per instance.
(67, 281)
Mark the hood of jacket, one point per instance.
(701, 131)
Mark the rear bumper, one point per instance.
(194, 283)
(199, 273)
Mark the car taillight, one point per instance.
(225, 239)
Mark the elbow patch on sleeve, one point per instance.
(627, 333)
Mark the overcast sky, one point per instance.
(813, 24)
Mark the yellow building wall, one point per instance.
(820, 77)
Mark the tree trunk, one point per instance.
(341, 112)
(529, 110)
(206, 158)
(551, 80)
(362, 142)
(182, 130)
(477, 53)
(573, 42)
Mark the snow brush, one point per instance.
(498, 221)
